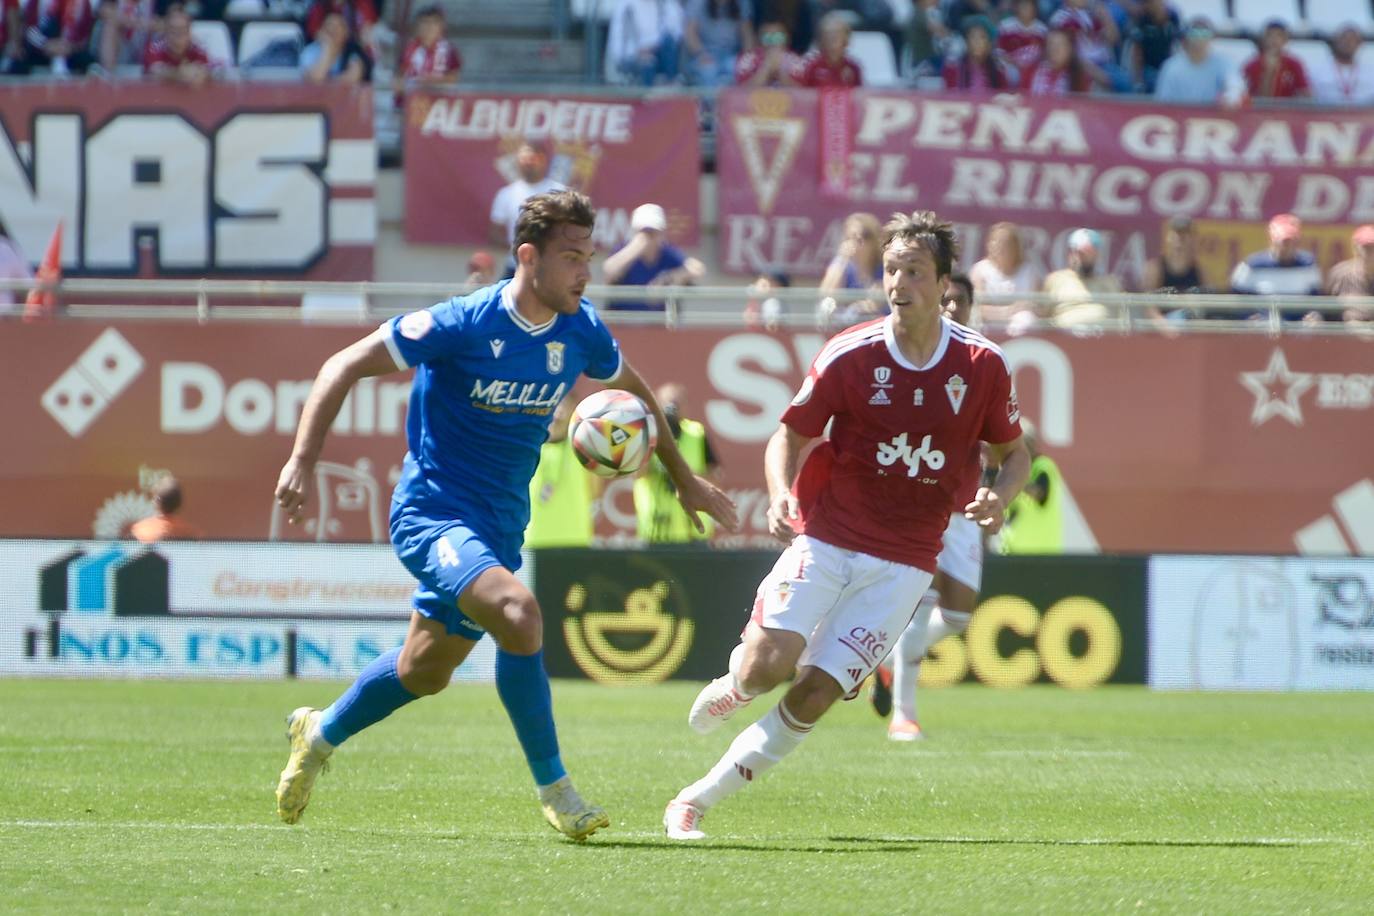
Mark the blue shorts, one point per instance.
(445, 556)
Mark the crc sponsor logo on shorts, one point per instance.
(868, 645)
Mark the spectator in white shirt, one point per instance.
(645, 40)
(532, 166)
(1348, 78)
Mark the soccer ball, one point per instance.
(613, 433)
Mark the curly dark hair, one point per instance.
(542, 214)
(925, 229)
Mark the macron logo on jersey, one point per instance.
(900, 450)
(497, 346)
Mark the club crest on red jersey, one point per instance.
(956, 389)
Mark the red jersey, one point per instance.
(817, 72)
(439, 60)
(1283, 82)
(1046, 79)
(70, 20)
(159, 52)
(1023, 44)
(1087, 31)
(902, 439)
(749, 63)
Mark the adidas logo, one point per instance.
(1350, 531)
(744, 771)
(855, 674)
(879, 397)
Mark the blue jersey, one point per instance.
(486, 384)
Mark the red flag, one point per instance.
(42, 299)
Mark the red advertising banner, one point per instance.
(1050, 165)
(460, 150)
(272, 181)
(1200, 444)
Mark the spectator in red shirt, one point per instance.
(57, 34)
(174, 57)
(981, 69)
(1061, 72)
(772, 62)
(1021, 37)
(828, 65)
(430, 59)
(1095, 34)
(1273, 74)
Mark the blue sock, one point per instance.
(523, 685)
(376, 694)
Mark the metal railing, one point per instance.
(681, 306)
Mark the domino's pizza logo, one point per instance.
(90, 385)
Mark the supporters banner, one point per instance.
(1196, 444)
(461, 149)
(117, 608)
(645, 616)
(233, 179)
(1049, 164)
(1261, 623)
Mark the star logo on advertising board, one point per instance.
(1278, 391)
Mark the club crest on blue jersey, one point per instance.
(555, 355)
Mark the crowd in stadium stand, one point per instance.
(1041, 47)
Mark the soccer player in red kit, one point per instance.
(907, 398)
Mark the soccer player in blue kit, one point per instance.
(489, 370)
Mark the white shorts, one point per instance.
(961, 558)
(849, 606)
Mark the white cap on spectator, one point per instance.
(648, 216)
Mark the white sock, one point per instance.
(944, 622)
(753, 752)
(906, 662)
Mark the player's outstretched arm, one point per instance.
(368, 357)
(1013, 462)
(697, 494)
(780, 460)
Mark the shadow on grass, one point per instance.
(915, 842)
(868, 845)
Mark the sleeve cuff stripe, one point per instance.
(392, 348)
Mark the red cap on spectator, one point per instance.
(1285, 226)
(1364, 236)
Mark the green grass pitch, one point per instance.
(157, 796)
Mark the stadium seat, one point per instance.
(1251, 15)
(215, 39)
(1313, 52)
(256, 36)
(873, 51)
(238, 10)
(1325, 16)
(1237, 50)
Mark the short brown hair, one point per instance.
(924, 229)
(167, 494)
(544, 213)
